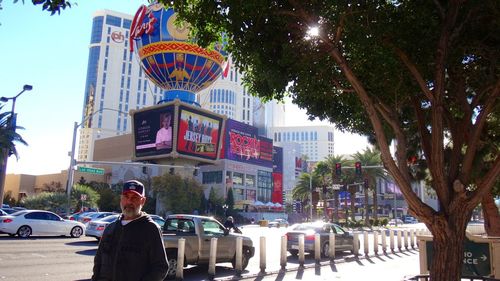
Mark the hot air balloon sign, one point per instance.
(173, 63)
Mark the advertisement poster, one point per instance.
(153, 131)
(243, 144)
(198, 134)
(251, 194)
(277, 195)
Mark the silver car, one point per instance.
(343, 240)
(96, 228)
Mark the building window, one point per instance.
(114, 21)
(96, 30)
(211, 177)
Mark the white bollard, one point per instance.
(179, 273)
(263, 254)
(384, 242)
(331, 240)
(405, 238)
(391, 240)
(375, 242)
(412, 238)
(212, 258)
(365, 244)
(239, 255)
(400, 246)
(317, 248)
(301, 250)
(355, 241)
(283, 253)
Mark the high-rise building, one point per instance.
(317, 142)
(115, 82)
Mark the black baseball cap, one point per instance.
(134, 186)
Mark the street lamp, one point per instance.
(5, 151)
(72, 162)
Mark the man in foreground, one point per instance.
(131, 248)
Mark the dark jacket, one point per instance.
(132, 252)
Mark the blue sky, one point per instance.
(50, 53)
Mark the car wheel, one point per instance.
(24, 231)
(172, 266)
(325, 250)
(245, 259)
(76, 232)
(294, 253)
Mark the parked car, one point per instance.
(159, 220)
(76, 216)
(38, 222)
(278, 223)
(9, 210)
(409, 219)
(96, 228)
(94, 216)
(344, 241)
(198, 231)
(396, 222)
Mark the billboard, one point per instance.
(242, 143)
(153, 131)
(198, 133)
(277, 159)
(277, 195)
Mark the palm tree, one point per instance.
(370, 157)
(302, 190)
(8, 140)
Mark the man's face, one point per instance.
(131, 204)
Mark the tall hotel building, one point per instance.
(317, 142)
(116, 84)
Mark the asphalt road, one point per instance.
(64, 258)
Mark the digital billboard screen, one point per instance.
(243, 144)
(153, 131)
(277, 159)
(198, 133)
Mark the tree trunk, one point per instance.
(353, 206)
(375, 203)
(367, 216)
(448, 247)
(491, 215)
(3, 172)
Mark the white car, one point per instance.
(38, 222)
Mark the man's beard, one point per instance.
(130, 211)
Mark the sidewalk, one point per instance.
(391, 267)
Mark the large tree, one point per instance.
(424, 74)
(8, 140)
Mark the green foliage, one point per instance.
(8, 135)
(76, 195)
(177, 194)
(49, 201)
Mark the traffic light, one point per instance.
(357, 165)
(338, 169)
